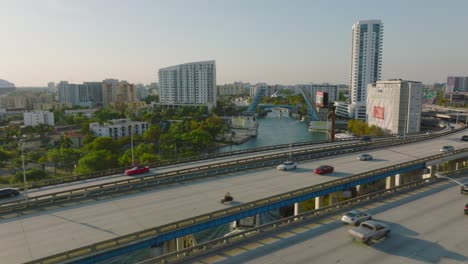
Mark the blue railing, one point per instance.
(167, 236)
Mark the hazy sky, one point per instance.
(271, 41)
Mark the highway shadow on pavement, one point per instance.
(377, 160)
(338, 174)
(401, 237)
(415, 248)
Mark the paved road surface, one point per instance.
(427, 227)
(79, 224)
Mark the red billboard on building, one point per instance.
(379, 112)
(321, 99)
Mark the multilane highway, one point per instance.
(164, 169)
(427, 225)
(38, 235)
(121, 176)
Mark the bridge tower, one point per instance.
(310, 105)
(258, 96)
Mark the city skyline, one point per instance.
(252, 41)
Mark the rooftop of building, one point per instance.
(188, 63)
(396, 81)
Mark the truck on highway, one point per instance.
(369, 230)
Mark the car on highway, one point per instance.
(9, 192)
(365, 138)
(355, 217)
(287, 165)
(364, 157)
(447, 149)
(369, 230)
(466, 209)
(464, 189)
(464, 138)
(137, 170)
(323, 169)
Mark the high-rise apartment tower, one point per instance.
(188, 84)
(366, 63)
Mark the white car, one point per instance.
(287, 165)
(447, 149)
(355, 217)
(365, 157)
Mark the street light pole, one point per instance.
(131, 143)
(24, 170)
(438, 175)
(331, 132)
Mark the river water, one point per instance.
(275, 130)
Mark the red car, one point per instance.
(324, 169)
(137, 170)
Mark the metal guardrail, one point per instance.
(175, 176)
(191, 174)
(188, 174)
(99, 174)
(218, 243)
(187, 226)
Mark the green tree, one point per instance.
(199, 139)
(43, 130)
(96, 160)
(152, 134)
(104, 143)
(106, 114)
(142, 154)
(5, 155)
(147, 158)
(32, 175)
(151, 98)
(359, 128)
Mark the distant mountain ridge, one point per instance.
(5, 84)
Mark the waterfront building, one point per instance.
(395, 106)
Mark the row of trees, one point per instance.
(359, 128)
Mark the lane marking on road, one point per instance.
(213, 259)
(269, 240)
(286, 235)
(234, 252)
(253, 245)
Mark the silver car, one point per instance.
(365, 157)
(369, 230)
(447, 149)
(355, 217)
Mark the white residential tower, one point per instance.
(191, 83)
(366, 63)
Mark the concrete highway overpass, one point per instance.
(427, 226)
(37, 235)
